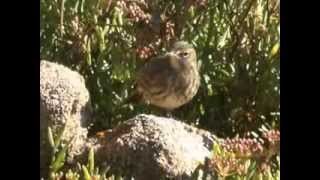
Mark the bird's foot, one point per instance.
(169, 114)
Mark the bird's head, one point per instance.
(184, 53)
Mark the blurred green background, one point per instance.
(237, 43)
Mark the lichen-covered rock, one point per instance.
(150, 147)
(64, 102)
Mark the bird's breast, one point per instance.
(181, 89)
(169, 83)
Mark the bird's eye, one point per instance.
(183, 54)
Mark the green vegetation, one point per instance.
(237, 43)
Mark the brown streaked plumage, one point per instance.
(171, 80)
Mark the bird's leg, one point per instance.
(169, 114)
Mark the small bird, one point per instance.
(171, 80)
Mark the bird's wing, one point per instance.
(156, 75)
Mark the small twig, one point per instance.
(244, 15)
